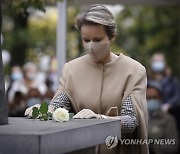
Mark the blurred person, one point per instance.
(33, 97)
(161, 124)
(16, 75)
(52, 79)
(48, 96)
(18, 105)
(29, 81)
(161, 72)
(103, 85)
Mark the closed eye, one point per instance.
(97, 40)
(86, 40)
(94, 40)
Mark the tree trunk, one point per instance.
(3, 105)
(18, 52)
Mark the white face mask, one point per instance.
(153, 105)
(97, 51)
(16, 76)
(158, 66)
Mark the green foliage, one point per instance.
(43, 108)
(144, 30)
(28, 37)
(73, 35)
(21, 6)
(42, 113)
(19, 39)
(35, 112)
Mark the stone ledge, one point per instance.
(27, 136)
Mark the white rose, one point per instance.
(61, 114)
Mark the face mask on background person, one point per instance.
(16, 76)
(97, 51)
(158, 66)
(32, 101)
(153, 105)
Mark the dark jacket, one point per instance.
(171, 90)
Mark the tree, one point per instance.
(18, 12)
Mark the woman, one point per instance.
(102, 84)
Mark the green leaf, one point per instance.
(45, 116)
(35, 112)
(43, 108)
(49, 115)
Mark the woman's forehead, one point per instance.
(93, 31)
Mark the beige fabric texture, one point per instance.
(99, 87)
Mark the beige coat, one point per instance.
(99, 87)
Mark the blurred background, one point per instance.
(147, 32)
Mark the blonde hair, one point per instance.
(97, 15)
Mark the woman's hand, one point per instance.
(29, 110)
(86, 114)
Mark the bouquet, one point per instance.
(40, 111)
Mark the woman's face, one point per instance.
(94, 33)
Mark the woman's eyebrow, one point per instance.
(97, 38)
(85, 38)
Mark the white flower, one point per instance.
(61, 114)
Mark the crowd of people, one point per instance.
(163, 102)
(28, 86)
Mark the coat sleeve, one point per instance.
(128, 116)
(138, 95)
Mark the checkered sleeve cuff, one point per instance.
(128, 116)
(60, 100)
